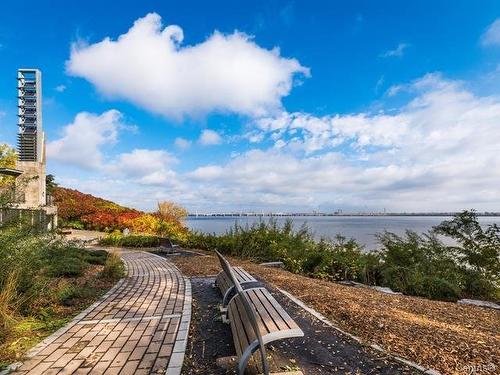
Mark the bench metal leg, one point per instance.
(226, 296)
(245, 357)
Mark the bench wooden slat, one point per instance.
(264, 316)
(225, 284)
(283, 315)
(242, 274)
(266, 310)
(240, 337)
(256, 318)
(272, 318)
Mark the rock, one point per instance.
(480, 303)
(273, 264)
(384, 289)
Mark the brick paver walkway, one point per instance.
(139, 327)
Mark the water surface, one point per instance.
(361, 228)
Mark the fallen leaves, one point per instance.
(441, 335)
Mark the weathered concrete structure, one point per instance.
(30, 187)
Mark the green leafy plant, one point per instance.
(113, 268)
(119, 240)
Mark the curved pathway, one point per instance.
(139, 327)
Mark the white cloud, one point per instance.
(145, 167)
(437, 152)
(82, 140)
(491, 36)
(60, 88)
(182, 143)
(396, 52)
(149, 67)
(209, 137)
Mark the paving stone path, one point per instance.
(139, 327)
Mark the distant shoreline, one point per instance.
(393, 214)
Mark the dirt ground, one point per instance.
(83, 235)
(448, 337)
(321, 351)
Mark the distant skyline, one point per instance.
(282, 106)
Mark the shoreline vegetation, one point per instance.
(414, 264)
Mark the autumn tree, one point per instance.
(8, 159)
(169, 210)
(50, 183)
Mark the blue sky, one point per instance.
(268, 105)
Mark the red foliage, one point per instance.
(94, 213)
(80, 210)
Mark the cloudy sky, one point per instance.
(267, 105)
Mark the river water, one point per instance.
(361, 228)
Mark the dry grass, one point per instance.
(26, 331)
(113, 268)
(8, 305)
(442, 335)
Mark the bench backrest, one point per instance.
(250, 310)
(165, 242)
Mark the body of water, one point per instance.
(361, 228)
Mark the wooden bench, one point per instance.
(256, 319)
(167, 246)
(226, 286)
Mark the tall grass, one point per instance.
(32, 262)
(113, 268)
(8, 302)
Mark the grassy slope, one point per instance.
(76, 197)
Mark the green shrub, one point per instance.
(29, 260)
(66, 260)
(336, 259)
(68, 267)
(96, 257)
(476, 285)
(140, 241)
(8, 305)
(73, 224)
(114, 268)
(66, 294)
(119, 240)
(434, 287)
(478, 249)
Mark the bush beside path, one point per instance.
(44, 282)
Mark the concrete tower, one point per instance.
(30, 139)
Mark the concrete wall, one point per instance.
(44, 219)
(32, 184)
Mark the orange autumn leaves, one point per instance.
(84, 211)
